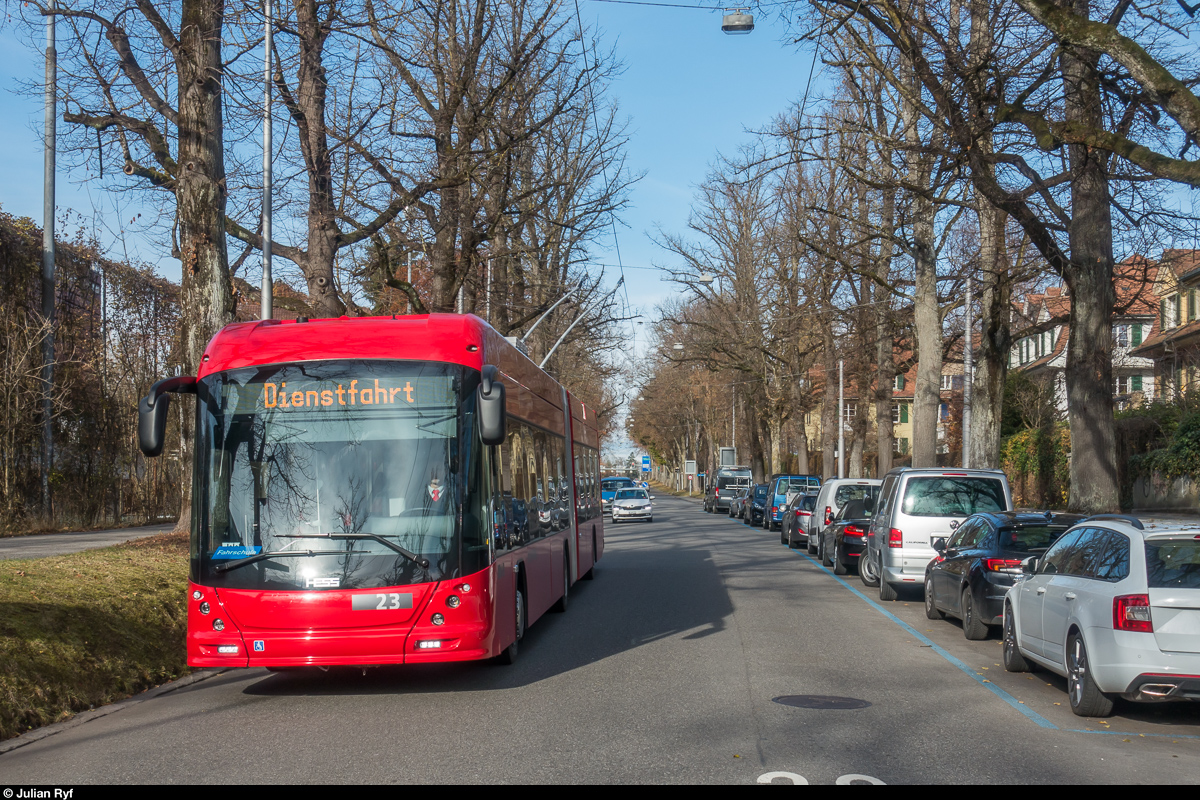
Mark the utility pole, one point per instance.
(841, 473)
(968, 379)
(267, 286)
(49, 145)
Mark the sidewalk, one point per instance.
(56, 544)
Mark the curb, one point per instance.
(82, 717)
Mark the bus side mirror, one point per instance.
(491, 408)
(152, 412)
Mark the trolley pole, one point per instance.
(49, 145)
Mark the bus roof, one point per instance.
(452, 338)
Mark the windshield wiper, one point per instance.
(241, 562)
(373, 537)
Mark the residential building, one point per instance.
(1173, 347)
(1041, 325)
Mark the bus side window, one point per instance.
(516, 465)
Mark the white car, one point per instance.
(833, 495)
(631, 504)
(1114, 606)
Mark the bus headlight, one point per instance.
(438, 619)
(453, 601)
(218, 625)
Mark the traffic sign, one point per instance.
(645, 463)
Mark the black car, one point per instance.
(982, 560)
(756, 505)
(843, 541)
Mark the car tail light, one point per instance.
(1002, 564)
(716, 492)
(828, 514)
(895, 538)
(853, 530)
(1131, 612)
(801, 513)
(774, 509)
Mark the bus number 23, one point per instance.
(387, 601)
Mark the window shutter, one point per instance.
(1135, 383)
(1162, 314)
(899, 383)
(904, 412)
(1136, 333)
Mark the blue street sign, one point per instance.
(645, 463)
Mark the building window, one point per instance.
(900, 446)
(1122, 384)
(945, 411)
(947, 383)
(849, 411)
(1120, 336)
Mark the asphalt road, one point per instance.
(57, 544)
(663, 670)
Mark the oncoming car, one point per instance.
(632, 504)
(608, 489)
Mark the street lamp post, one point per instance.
(968, 379)
(49, 147)
(841, 420)
(265, 292)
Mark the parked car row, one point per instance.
(764, 504)
(1110, 602)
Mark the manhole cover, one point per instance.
(820, 701)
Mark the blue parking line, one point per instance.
(1037, 718)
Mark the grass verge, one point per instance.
(90, 628)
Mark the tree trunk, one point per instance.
(802, 450)
(854, 461)
(927, 318)
(205, 293)
(995, 290)
(775, 431)
(991, 355)
(323, 233)
(1094, 486)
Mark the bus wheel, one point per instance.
(509, 656)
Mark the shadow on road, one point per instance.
(648, 587)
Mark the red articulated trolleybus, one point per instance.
(384, 490)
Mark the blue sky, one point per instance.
(689, 90)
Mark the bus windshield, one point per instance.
(308, 472)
